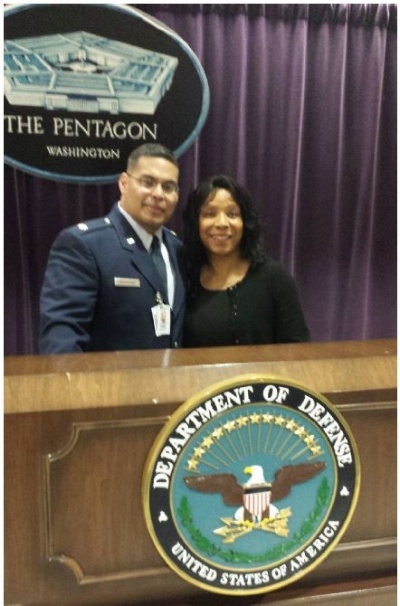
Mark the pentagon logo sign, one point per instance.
(250, 485)
(85, 84)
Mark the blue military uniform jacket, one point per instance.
(99, 287)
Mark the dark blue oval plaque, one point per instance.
(85, 84)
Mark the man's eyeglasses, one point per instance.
(168, 187)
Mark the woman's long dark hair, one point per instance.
(251, 245)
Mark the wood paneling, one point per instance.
(77, 432)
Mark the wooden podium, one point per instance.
(78, 429)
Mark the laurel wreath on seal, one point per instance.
(210, 549)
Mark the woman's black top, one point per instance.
(263, 308)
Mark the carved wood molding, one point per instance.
(73, 509)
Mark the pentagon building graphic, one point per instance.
(84, 72)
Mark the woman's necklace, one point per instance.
(212, 278)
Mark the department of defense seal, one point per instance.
(250, 485)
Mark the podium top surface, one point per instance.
(132, 378)
(202, 356)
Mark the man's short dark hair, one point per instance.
(153, 150)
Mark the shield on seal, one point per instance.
(256, 499)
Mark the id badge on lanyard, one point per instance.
(161, 317)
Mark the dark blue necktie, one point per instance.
(159, 262)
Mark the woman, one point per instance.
(237, 294)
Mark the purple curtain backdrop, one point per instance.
(303, 112)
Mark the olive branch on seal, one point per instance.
(232, 556)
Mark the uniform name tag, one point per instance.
(127, 282)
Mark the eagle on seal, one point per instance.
(256, 495)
